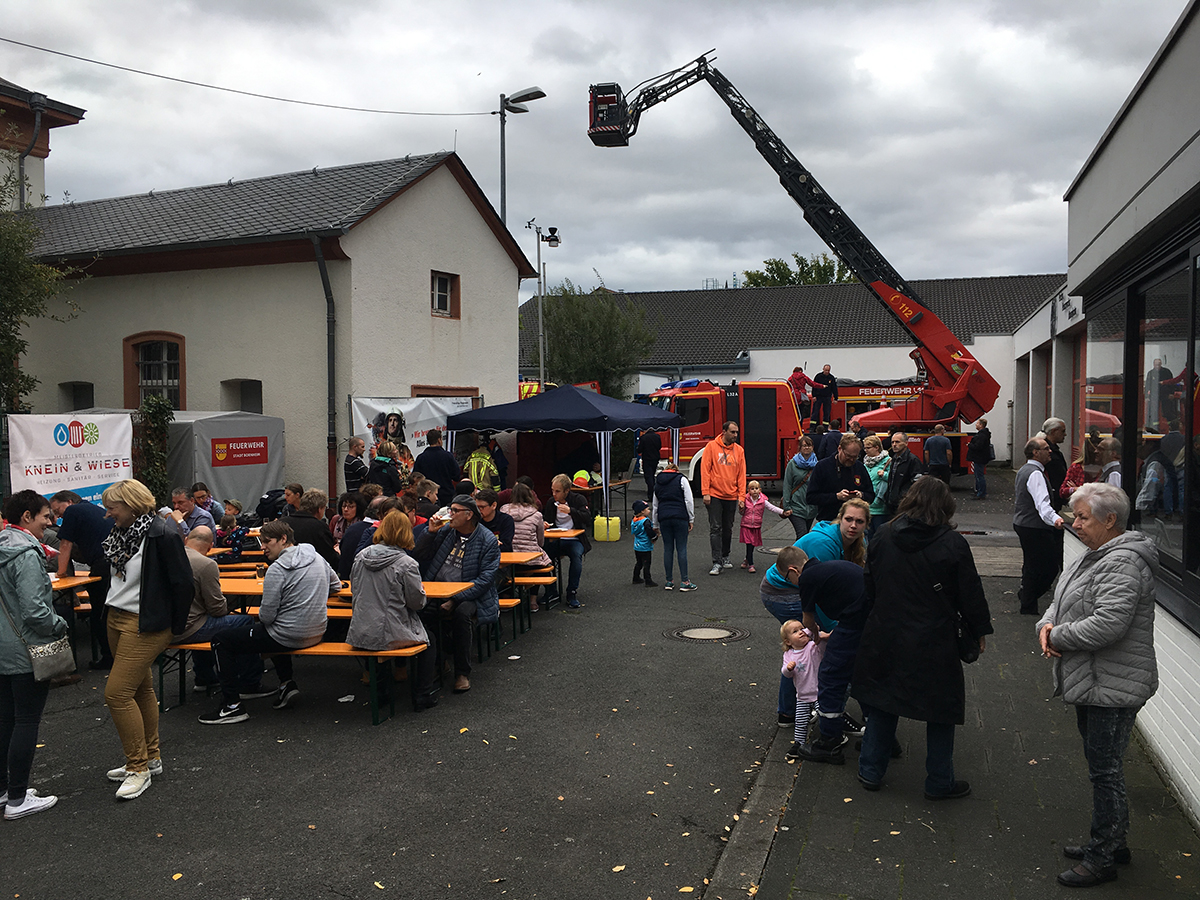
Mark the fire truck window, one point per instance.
(693, 410)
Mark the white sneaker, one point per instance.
(121, 773)
(33, 804)
(715, 570)
(134, 785)
(726, 564)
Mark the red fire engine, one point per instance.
(952, 384)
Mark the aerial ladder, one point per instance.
(954, 384)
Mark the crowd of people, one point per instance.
(877, 599)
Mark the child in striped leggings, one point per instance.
(801, 659)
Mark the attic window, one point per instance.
(443, 295)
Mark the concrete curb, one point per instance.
(740, 868)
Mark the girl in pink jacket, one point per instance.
(752, 519)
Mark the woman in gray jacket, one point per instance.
(1100, 633)
(388, 594)
(25, 593)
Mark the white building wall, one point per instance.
(265, 323)
(396, 341)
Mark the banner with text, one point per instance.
(79, 453)
(411, 418)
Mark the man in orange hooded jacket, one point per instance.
(723, 484)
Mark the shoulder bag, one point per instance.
(968, 644)
(49, 660)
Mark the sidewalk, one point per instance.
(1030, 794)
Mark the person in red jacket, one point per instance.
(723, 480)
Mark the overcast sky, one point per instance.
(947, 129)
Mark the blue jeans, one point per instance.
(877, 750)
(574, 550)
(1105, 732)
(980, 479)
(784, 610)
(833, 678)
(675, 539)
(249, 669)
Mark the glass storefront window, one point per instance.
(1099, 404)
(1189, 401)
(1156, 467)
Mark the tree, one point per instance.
(27, 289)
(593, 336)
(817, 269)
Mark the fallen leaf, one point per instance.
(176, 876)
(349, 698)
(463, 730)
(686, 833)
(485, 741)
(848, 800)
(378, 885)
(159, 834)
(893, 832)
(649, 792)
(686, 890)
(618, 868)
(41, 745)
(717, 791)
(313, 827)
(560, 796)
(1033, 762)
(735, 817)
(513, 736)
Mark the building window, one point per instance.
(443, 295)
(1156, 468)
(155, 364)
(75, 395)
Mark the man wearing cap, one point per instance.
(461, 550)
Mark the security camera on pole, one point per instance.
(553, 240)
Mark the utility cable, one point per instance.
(229, 90)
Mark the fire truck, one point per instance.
(952, 384)
(767, 415)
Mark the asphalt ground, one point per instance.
(594, 757)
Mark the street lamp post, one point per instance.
(514, 104)
(553, 240)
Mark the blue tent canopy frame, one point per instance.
(569, 408)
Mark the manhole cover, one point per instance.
(706, 634)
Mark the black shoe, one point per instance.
(852, 726)
(794, 754)
(105, 663)
(651, 584)
(957, 790)
(637, 579)
(1029, 612)
(287, 693)
(426, 701)
(1121, 856)
(1082, 877)
(785, 721)
(869, 785)
(824, 750)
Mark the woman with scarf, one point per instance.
(878, 464)
(29, 619)
(795, 487)
(150, 597)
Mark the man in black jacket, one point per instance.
(837, 478)
(1055, 430)
(824, 393)
(309, 526)
(649, 448)
(904, 471)
(438, 465)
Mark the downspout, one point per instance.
(330, 320)
(37, 102)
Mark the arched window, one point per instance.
(155, 363)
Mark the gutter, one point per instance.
(37, 103)
(330, 322)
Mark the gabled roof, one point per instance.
(295, 205)
(55, 114)
(697, 328)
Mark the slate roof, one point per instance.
(272, 208)
(702, 327)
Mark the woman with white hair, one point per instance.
(1099, 631)
(1054, 431)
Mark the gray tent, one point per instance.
(239, 455)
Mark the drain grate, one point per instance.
(707, 634)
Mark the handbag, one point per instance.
(968, 644)
(48, 660)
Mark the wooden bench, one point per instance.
(523, 583)
(176, 656)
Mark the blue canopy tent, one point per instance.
(569, 408)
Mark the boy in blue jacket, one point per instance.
(644, 536)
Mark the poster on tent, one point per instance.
(369, 417)
(71, 452)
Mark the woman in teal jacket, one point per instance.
(26, 595)
(878, 464)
